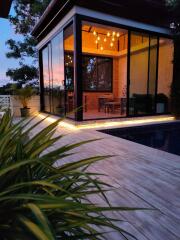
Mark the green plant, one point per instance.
(24, 95)
(41, 201)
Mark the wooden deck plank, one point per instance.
(141, 176)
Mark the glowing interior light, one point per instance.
(98, 38)
(96, 41)
(113, 39)
(105, 40)
(101, 48)
(118, 35)
(108, 34)
(114, 33)
(94, 33)
(111, 44)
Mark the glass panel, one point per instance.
(46, 79)
(143, 66)
(139, 54)
(58, 90)
(153, 50)
(165, 75)
(104, 71)
(69, 70)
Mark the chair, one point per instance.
(123, 104)
(102, 100)
(112, 105)
(70, 104)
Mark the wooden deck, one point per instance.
(142, 177)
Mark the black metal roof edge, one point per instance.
(45, 14)
(52, 9)
(56, 10)
(5, 6)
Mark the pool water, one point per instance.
(165, 137)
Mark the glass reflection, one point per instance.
(58, 90)
(69, 70)
(143, 72)
(46, 79)
(165, 75)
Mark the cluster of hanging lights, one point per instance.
(111, 37)
(69, 60)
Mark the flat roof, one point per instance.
(146, 11)
(5, 6)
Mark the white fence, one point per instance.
(12, 103)
(5, 102)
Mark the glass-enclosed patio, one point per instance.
(97, 70)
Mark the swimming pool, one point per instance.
(165, 137)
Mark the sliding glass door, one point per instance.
(143, 74)
(46, 80)
(69, 70)
(53, 76)
(104, 71)
(57, 68)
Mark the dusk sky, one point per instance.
(6, 32)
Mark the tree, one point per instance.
(27, 13)
(174, 9)
(23, 74)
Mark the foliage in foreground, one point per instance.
(40, 201)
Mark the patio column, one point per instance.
(78, 69)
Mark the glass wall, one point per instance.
(104, 71)
(143, 73)
(58, 74)
(165, 75)
(58, 86)
(69, 70)
(46, 79)
(53, 76)
(153, 67)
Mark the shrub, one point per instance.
(24, 95)
(41, 201)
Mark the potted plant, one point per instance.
(24, 95)
(162, 103)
